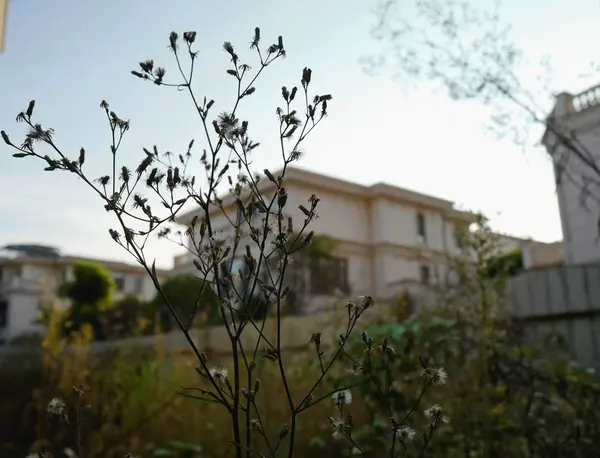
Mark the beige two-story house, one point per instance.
(388, 236)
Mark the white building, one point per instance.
(27, 272)
(390, 239)
(576, 119)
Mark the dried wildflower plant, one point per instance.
(367, 368)
(262, 234)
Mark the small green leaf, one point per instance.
(20, 155)
(162, 452)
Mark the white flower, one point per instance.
(339, 428)
(218, 373)
(436, 415)
(404, 433)
(435, 375)
(33, 455)
(433, 411)
(56, 407)
(342, 397)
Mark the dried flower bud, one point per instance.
(316, 339)
(284, 431)
(30, 108)
(304, 210)
(308, 237)
(306, 76)
(146, 67)
(422, 362)
(256, 39)
(366, 302)
(282, 197)
(189, 37)
(270, 176)
(309, 400)
(6, 139)
(256, 386)
(364, 337)
(173, 37)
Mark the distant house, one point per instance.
(28, 271)
(575, 118)
(388, 236)
(535, 253)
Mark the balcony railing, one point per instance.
(586, 99)
(13, 283)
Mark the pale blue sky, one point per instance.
(71, 54)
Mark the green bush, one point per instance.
(190, 296)
(128, 317)
(90, 292)
(504, 398)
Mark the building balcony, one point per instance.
(13, 284)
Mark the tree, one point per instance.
(129, 316)
(90, 293)
(191, 296)
(468, 51)
(509, 264)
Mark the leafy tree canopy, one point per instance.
(92, 285)
(185, 292)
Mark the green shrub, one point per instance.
(190, 296)
(90, 292)
(128, 317)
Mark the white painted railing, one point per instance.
(586, 99)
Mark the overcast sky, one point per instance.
(71, 54)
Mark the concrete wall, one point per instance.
(562, 299)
